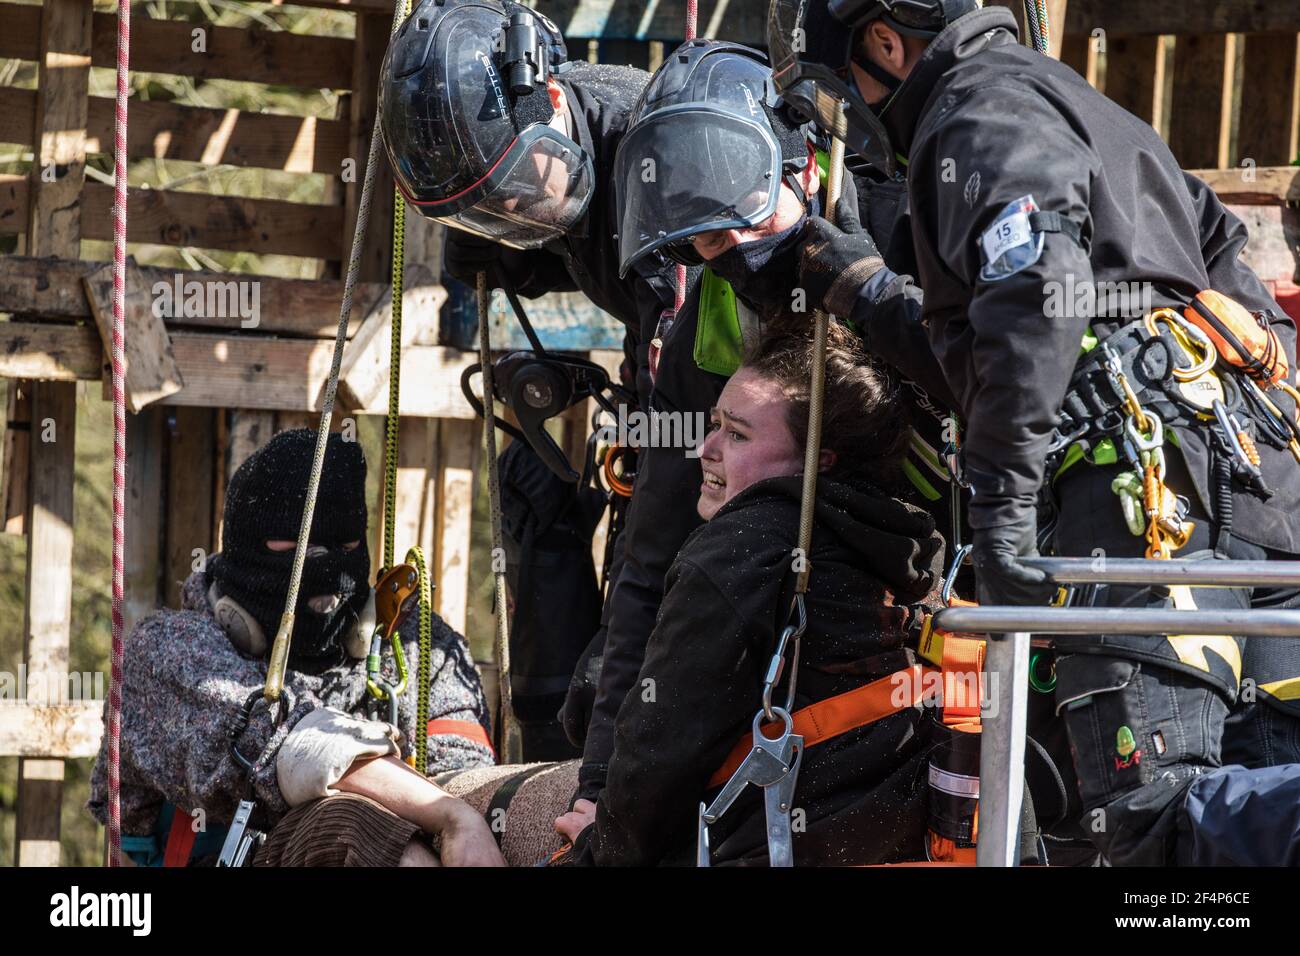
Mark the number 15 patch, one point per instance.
(1011, 244)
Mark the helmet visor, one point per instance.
(537, 192)
(691, 169)
(819, 82)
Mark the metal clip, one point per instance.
(773, 765)
(241, 839)
(776, 666)
(950, 579)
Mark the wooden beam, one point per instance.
(170, 218)
(296, 144)
(150, 367)
(67, 730)
(1056, 21)
(371, 43)
(54, 353)
(162, 130)
(232, 53)
(1253, 186)
(458, 443)
(21, 37)
(743, 21)
(1080, 52)
(250, 429)
(18, 424)
(1181, 17)
(191, 470)
(53, 228)
(1269, 132)
(1135, 71)
(301, 308)
(144, 499)
(364, 375)
(416, 507)
(1200, 126)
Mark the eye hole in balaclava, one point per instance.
(264, 502)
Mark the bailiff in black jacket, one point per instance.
(727, 599)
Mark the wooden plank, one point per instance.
(21, 37)
(56, 353)
(417, 488)
(1200, 126)
(160, 130)
(371, 43)
(1262, 186)
(1079, 51)
(18, 430)
(364, 375)
(458, 447)
(306, 308)
(191, 469)
(741, 20)
(250, 372)
(1056, 21)
(1270, 101)
(149, 365)
(144, 514)
(54, 228)
(69, 730)
(1181, 17)
(17, 114)
(171, 218)
(249, 430)
(233, 223)
(1135, 70)
(250, 55)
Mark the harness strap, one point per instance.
(1055, 222)
(180, 839)
(834, 716)
(469, 729)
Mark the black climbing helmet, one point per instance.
(465, 109)
(813, 43)
(708, 146)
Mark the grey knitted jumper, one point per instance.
(184, 682)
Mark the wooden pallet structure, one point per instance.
(1218, 78)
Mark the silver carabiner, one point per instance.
(1157, 440)
(776, 666)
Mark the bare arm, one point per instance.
(466, 839)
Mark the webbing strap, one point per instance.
(834, 716)
(180, 839)
(469, 729)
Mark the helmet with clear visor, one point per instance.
(707, 148)
(812, 44)
(466, 117)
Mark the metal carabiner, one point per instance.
(776, 666)
(1141, 442)
(950, 579)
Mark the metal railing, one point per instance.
(1009, 629)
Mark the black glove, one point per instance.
(465, 255)
(834, 265)
(1001, 577)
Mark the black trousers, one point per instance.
(1144, 730)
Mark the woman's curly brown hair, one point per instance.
(863, 418)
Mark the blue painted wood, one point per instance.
(565, 322)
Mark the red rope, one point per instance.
(119, 431)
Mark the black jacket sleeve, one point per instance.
(1004, 143)
(535, 272)
(693, 700)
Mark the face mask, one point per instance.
(264, 501)
(765, 271)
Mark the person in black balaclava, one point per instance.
(264, 505)
(328, 778)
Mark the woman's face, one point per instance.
(749, 440)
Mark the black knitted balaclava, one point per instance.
(265, 501)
